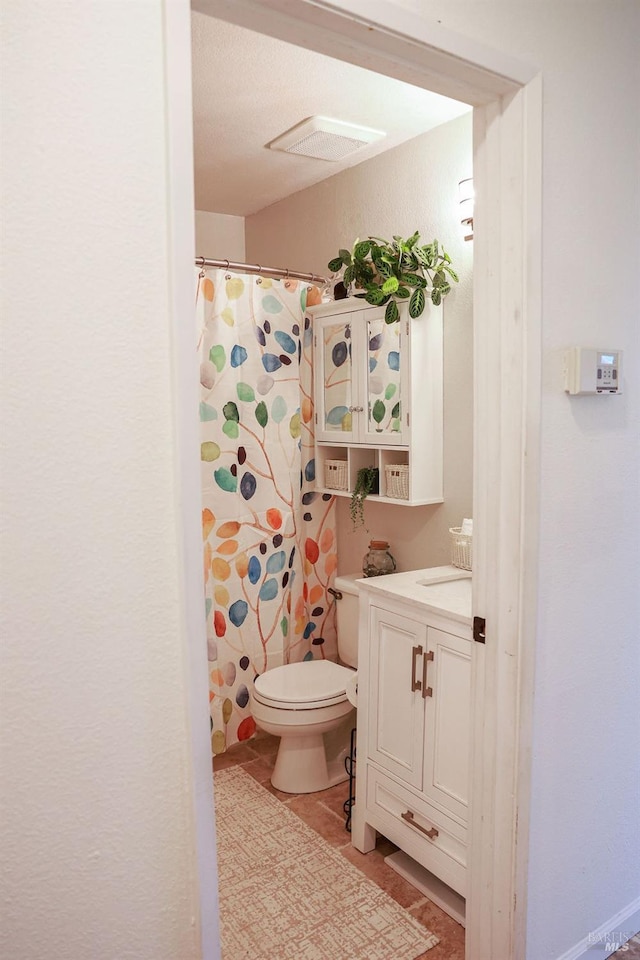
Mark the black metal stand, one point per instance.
(350, 767)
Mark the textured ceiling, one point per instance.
(249, 88)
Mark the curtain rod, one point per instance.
(256, 268)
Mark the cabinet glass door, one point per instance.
(384, 414)
(337, 384)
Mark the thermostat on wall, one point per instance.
(592, 371)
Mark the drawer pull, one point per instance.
(426, 691)
(415, 653)
(408, 816)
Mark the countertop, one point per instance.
(454, 602)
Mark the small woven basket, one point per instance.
(461, 548)
(336, 475)
(397, 480)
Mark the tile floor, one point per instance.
(630, 951)
(323, 811)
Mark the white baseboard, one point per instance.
(609, 936)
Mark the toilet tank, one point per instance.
(347, 618)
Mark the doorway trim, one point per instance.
(507, 99)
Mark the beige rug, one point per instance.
(286, 894)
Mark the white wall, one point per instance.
(98, 832)
(412, 187)
(585, 843)
(219, 236)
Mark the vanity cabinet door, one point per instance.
(447, 722)
(396, 712)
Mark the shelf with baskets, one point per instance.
(336, 470)
(378, 401)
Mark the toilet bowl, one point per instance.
(306, 705)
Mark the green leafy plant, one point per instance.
(367, 481)
(389, 272)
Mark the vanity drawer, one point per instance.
(405, 819)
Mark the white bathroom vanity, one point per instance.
(414, 690)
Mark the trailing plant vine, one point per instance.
(389, 272)
(367, 481)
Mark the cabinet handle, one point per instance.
(426, 691)
(415, 653)
(408, 816)
(356, 409)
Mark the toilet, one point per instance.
(307, 705)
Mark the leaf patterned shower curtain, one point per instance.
(269, 539)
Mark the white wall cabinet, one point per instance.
(414, 688)
(378, 398)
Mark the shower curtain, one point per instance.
(269, 538)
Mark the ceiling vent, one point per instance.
(325, 139)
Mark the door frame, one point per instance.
(507, 98)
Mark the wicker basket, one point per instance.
(461, 548)
(336, 475)
(397, 480)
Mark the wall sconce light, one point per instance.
(466, 195)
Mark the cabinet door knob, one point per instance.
(408, 816)
(415, 653)
(426, 691)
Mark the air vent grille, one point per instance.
(325, 146)
(324, 139)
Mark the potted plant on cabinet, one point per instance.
(367, 481)
(388, 272)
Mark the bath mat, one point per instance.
(286, 894)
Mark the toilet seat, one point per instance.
(303, 686)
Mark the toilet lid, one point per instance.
(303, 686)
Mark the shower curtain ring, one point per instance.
(259, 279)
